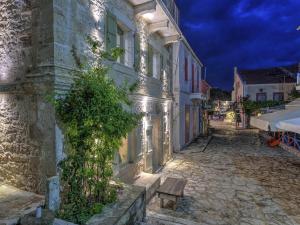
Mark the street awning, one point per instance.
(292, 125)
(267, 122)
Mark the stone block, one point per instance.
(61, 222)
(149, 181)
(53, 194)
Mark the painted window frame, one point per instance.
(113, 26)
(261, 93)
(193, 77)
(198, 79)
(278, 93)
(121, 43)
(186, 68)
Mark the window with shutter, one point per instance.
(150, 60)
(137, 52)
(111, 31)
(193, 78)
(161, 64)
(278, 96)
(198, 79)
(186, 69)
(121, 43)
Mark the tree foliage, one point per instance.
(253, 106)
(294, 94)
(219, 94)
(95, 116)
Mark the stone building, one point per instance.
(188, 95)
(28, 70)
(264, 84)
(36, 43)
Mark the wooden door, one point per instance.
(195, 122)
(157, 159)
(187, 123)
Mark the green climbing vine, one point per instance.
(95, 116)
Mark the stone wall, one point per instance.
(130, 209)
(15, 39)
(27, 124)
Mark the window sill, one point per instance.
(130, 71)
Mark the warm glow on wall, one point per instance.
(144, 104)
(5, 68)
(148, 16)
(144, 46)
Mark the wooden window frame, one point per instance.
(193, 78)
(121, 36)
(186, 69)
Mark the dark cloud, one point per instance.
(243, 33)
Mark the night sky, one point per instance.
(244, 33)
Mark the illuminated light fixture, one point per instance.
(148, 16)
(298, 28)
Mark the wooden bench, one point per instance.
(172, 189)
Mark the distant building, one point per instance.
(205, 89)
(264, 84)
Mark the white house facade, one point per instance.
(188, 96)
(265, 84)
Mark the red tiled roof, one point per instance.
(273, 75)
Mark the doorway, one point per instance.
(157, 161)
(187, 124)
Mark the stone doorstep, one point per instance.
(149, 181)
(154, 218)
(15, 203)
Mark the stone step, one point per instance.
(15, 203)
(149, 181)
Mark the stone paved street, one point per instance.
(236, 180)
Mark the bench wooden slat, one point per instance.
(173, 186)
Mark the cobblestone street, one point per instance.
(236, 180)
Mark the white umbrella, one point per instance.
(267, 122)
(292, 125)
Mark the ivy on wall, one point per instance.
(95, 116)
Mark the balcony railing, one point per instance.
(197, 96)
(173, 9)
